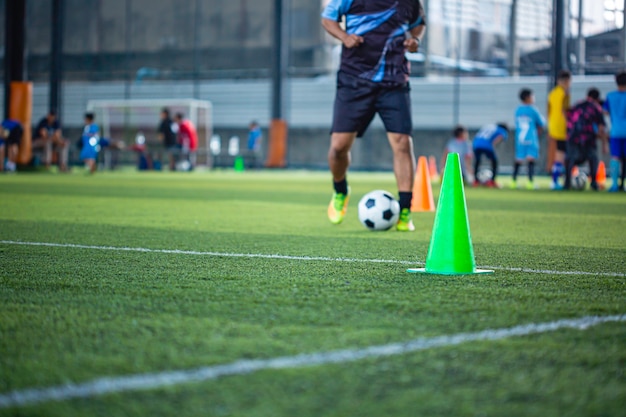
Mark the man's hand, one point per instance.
(352, 41)
(411, 44)
(336, 31)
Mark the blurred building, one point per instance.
(122, 39)
(134, 40)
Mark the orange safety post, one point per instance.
(21, 109)
(277, 146)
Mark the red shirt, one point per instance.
(187, 134)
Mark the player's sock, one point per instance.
(531, 171)
(516, 170)
(494, 169)
(614, 167)
(557, 170)
(405, 198)
(341, 187)
(623, 173)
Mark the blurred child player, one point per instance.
(461, 145)
(615, 106)
(10, 136)
(529, 124)
(485, 142)
(585, 123)
(90, 143)
(558, 104)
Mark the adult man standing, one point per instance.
(167, 136)
(558, 104)
(373, 78)
(49, 138)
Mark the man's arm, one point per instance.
(336, 31)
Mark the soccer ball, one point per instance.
(579, 182)
(183, 165)
(378, 210)
(483, 175)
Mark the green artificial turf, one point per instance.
(261, 273)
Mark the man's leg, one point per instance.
(404, 170)
(1, 158)
(592, 157)
(47, 152)
(339, 161)
(494, 166)
(478, 153)
(403, 160)
(339, 154)
(568, 173)
(614, 165)
(559, 161)
(63, 149)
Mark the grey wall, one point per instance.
(309, 110)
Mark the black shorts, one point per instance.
(358, 100)
(579, 153)
(561, 145)
(15, 136)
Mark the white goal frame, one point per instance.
(126, 119)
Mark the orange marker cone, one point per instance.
(450, 251)
(432, 168)
(601, 175)
(422, 189)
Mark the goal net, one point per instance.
(137, 120)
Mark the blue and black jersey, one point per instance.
(384, 25)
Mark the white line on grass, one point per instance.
(296, 258)
(137, 382)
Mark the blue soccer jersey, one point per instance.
(615, 105)
(383, 24)
(90, 142)
(487, 135)
(527, 121)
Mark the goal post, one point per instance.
(128, 119)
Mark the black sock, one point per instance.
(623, 172)
(341, 187)
(515, 170)
(405, 199)
(531, 170)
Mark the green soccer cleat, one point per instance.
(338, 207)
(513, 185)
(405, 224)
(530, 185)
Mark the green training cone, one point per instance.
(239, 165)
(450, 251)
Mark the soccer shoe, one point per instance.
(530, 185)
(556, 186)
(513, 185)
(492, 184)
(614, 188)
(405, 224)
(476, 183)
(338, 207)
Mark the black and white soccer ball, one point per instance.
(483, 175)
(579, 182)
(378, 210)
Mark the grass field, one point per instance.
(129, 274)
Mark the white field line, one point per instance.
(108, 385)
(297, 258)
